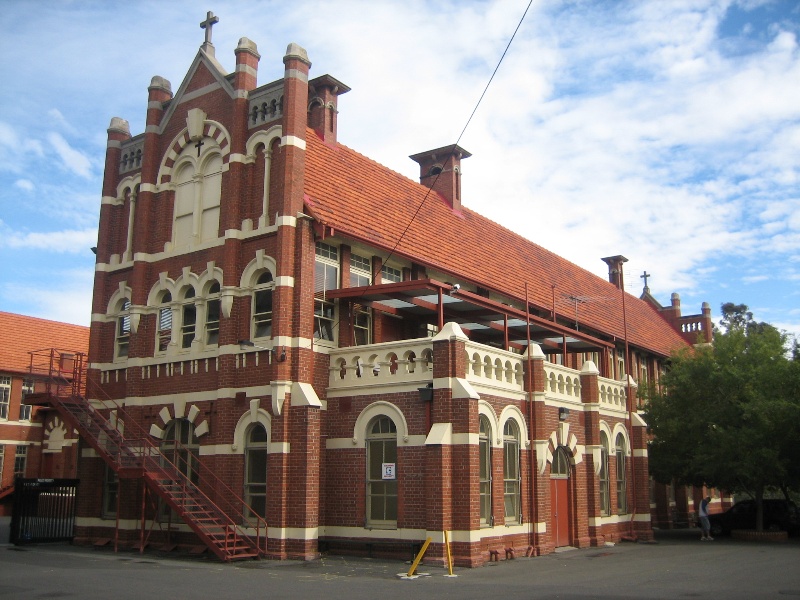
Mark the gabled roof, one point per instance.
(20, 334)
(364, 200)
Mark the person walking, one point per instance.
(705, 524)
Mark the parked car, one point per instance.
(778, 515)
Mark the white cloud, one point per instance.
(73, 160)
(68, 298)
(24, 184)
(66, 241)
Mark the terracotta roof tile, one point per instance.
(363, 199)
(20, 334)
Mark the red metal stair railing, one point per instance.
(229, 527)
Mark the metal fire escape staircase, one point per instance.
(230, 528)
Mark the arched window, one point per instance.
(188, 318)
(560, 467)
(511, 472)
(164, 335)
(605, 492)
(381, 444)
(255, 475)
(197, 197)
(485, 468)
(622, 484)
(123, 328)
(180, 448)
(212, 314)
(262, 305)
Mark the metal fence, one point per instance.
(44, 510)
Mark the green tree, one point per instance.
(727, 413)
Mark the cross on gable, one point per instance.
(210, 21)
(644, 276)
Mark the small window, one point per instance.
(362, 325)
(560, 467)
(622, 484)
(188, 318)
(326, 277)
(391, 275)
(5, 394)
(20, 461)
(255, 476)
(110, 491)
(123, 328)
(212, 315)
(25, 409)
(262, 305)
(360, 271)
(605, 493)
(511, 472)
(485, 471)
(164, 336)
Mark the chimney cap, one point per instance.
(328, 81)
(443, 151)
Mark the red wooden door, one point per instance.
(559, 521)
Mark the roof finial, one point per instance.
(210, 21)
(644, 276)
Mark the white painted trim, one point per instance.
(293, 140)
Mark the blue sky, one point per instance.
(668, 132)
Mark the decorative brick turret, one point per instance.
(440, 170)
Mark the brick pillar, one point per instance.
(590, 396)
(639, 474)
(535, 389)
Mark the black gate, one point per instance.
(44, 510)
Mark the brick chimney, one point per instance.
(615, 274)
(440, 170)
(323, 93)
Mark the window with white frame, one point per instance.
(213, 306)
(605, 490)
(25, 409)
(20, 461)
(326, 278)
(188, 318)
(5, 395)
(485, 471)
(164, 335)
(391, 275)
(262, 305)
(622, 484)
(360, 271)
(511, 472)
(197, 199)
(123, 328)
(381, 446)
(255, 475)
(2, 461)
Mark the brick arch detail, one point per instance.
(211, 129)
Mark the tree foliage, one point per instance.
(728, 413)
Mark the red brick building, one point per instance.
(34, 442)
(363, 359)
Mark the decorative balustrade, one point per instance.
(612, 394)
(562, 383)
(265, 105)
(389, 363)
(131, 154)
(495, 368)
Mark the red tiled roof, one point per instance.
(365, 200)
(20, 334)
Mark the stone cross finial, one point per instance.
(210, 21)
(644, 276)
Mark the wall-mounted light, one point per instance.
(280, 357)
(563, 414)
(454, 289)
(426, 393)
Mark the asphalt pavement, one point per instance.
(676, 565)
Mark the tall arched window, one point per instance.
(381, 444)
(262, 305)
(164, 335)
(559, 469)
(197, 197)
(212, 314)
(123, 328)
(511, 472)
(622, 484)
(188, 318)
(485, 469)
(605, 491)
(255, 476)
(180, 447)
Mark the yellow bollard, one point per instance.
(419, 557)
(449, 558)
